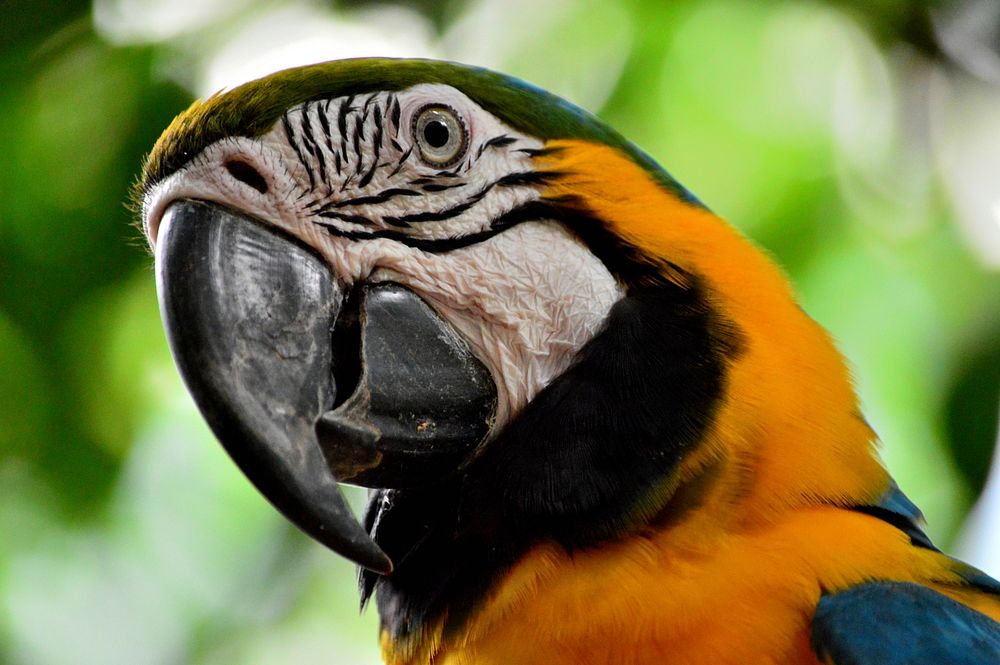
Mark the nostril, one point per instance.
(246, 174)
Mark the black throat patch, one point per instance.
(582, 463)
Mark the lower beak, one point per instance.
(263, 335)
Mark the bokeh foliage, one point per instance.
(129, 537)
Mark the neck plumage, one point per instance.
(708, 402)
(789, 419)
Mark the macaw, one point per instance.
(595, 424)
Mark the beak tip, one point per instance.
(362, 551)
(385, 566)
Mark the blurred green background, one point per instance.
(859, 142)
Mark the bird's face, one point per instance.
(367, 291)
(423, 188)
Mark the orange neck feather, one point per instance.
(789, 429)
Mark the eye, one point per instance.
(440, 135)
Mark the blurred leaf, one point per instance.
(25, 398)
(733, 119)
(119, 362)
(441, 12)
(73, 131)
(24, 22)
(584, 70)
(971, 410)
(898, 20)
(71, 124)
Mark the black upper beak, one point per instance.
(262, 335)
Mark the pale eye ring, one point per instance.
(440, 135)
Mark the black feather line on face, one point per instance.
(394, 115)
(436, 215)
(381, 197)
(311, 145)
(519, 179)
(402, 160)
(307, 137)
(496, 142)
(434, 187)
(377, 146)
(359, 136)
(583, 463)
(377, 118)
(345, 108)
(290, 134)
(324, 123)
(531, 210)
(347, 217)
(528, 212)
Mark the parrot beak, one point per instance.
(305, 385)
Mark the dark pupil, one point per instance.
(436, 133)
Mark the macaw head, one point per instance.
(456, 288)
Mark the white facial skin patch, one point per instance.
(526, 300)
(354, 179)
